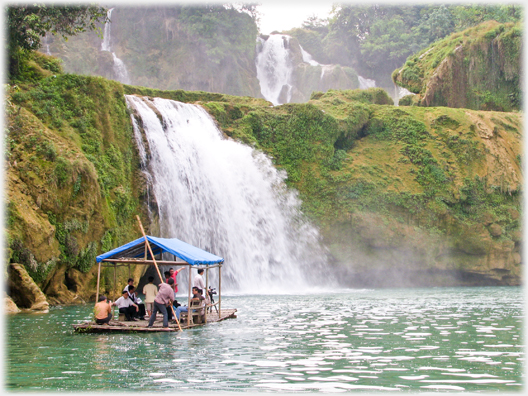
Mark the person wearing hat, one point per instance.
(126, 306)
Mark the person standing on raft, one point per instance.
(172, 274)
(162, 301)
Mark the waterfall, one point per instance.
(365, 83)
(274, 69)
(307, 58)
(120, 71)
(227, 198)
(400, 92)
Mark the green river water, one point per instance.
(399, 340)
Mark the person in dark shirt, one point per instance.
(162, 301)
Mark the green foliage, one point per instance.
(62, 171)
(88, 116)
(482, 73)
(385, 35)
(27, 24)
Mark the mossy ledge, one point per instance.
(430, 194)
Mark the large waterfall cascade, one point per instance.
(227, 198)
(275, 68)
(120, 70)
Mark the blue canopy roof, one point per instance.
(186, 252)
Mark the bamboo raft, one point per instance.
(119, 326)
(184, 255)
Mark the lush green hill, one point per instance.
(428, 194)
(478, 68)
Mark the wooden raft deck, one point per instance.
(141, 325)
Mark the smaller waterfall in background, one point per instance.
(400, 92)
(227, 198)
(274, 69)
(46, 41)
(365, 83)
(120, 71)
(307, 58)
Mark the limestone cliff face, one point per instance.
(171, 47)
(426, 194)
(478, 68)
(73, 183)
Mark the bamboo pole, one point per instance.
(98, 278)
(219, 292)
(206, 291)
(148, 262)
(189, 313)
(156, 264)
(115, 281)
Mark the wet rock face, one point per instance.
(24, 291)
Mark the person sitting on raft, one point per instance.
(103, 311)
(162, 301)
(126, 306)
(141, 307)
(132, 294)
(197, 295)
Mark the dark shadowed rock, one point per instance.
(24, 291)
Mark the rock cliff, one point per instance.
(402, 195)
(478, 68)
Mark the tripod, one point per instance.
(211, 292)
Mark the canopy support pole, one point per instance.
(156, 265)
(206, 291)
(98, 278)
(115, 281)
(219, 292)
(189, 313)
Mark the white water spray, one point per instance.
(120, 70)
(226, 198)
(307, 58)
(365, 83)
(274, 69)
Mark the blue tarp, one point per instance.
(184, 251)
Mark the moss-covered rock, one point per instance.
(478, 68)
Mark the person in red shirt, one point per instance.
(173, 274)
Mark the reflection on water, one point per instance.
(419, 339)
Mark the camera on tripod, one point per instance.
(212, 291)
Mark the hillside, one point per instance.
(478, 68)
(430, 195)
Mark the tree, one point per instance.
(27, 24)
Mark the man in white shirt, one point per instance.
(198, 280)
(126, 306)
